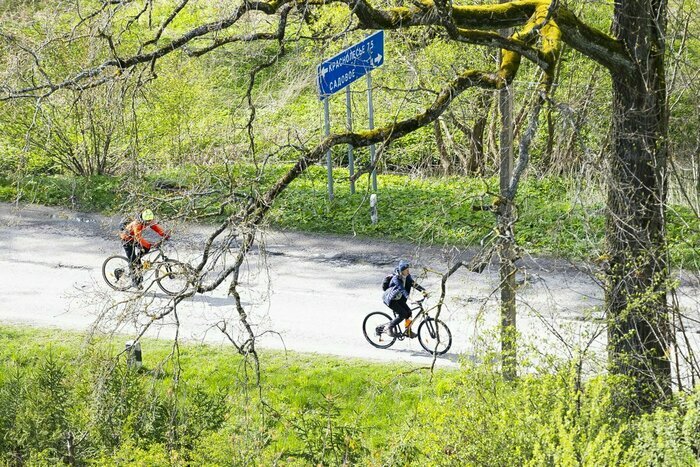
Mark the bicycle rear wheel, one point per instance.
(434, 336)
(173, 277)
(375, 328)
(116, 272)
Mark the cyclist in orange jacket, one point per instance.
(132, 236)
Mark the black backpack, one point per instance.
(387, 281)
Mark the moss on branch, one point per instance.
(595, 44)
(529, 15)
(496, 16)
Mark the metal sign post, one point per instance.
(339, 72)
(370, 111)
(329, 160)
(373, 207)
(351, 160)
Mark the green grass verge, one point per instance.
(311, 410)
(555, 216)
(214, 415)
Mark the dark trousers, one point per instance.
(134, 260)
(400, 309)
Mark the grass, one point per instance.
(303, 395)
(555, 216)
(197, 405)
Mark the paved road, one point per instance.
(312, 291)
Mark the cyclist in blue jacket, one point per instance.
(396, 295)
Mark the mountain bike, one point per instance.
(434, 335)
(172, 276)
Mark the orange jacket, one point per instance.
(133, 232)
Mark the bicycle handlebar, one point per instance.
(421, 300)
(154, 246)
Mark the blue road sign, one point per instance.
(351, 64)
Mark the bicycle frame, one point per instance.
(150, 262)
(419, 317)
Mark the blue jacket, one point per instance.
(397, 289)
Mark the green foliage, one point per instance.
(684, 231)
(324, 439)
(11, 163)
(317, 410)
(554, 420)
(36, 399)
(668, 437)
(98, 193)
(12, 397)
(8, 193)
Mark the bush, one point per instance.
(669, 437)
(8, 193)
(546, 420)
(12, 164)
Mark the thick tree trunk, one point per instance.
(639, 329)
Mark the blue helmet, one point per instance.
(403, 265)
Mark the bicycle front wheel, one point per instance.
(173, 277)
(116, 272)
(434, 336)
(376, 330)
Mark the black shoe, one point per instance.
(391, 331)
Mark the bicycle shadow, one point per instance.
(449, 356)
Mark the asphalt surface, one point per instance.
(301, 292)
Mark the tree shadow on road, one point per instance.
(198, 298)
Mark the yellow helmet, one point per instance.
(147, 215)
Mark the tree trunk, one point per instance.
(548, 151)
(477, 161)
(506, 240)
(506, 237)
(639, 334)
(445, 160)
